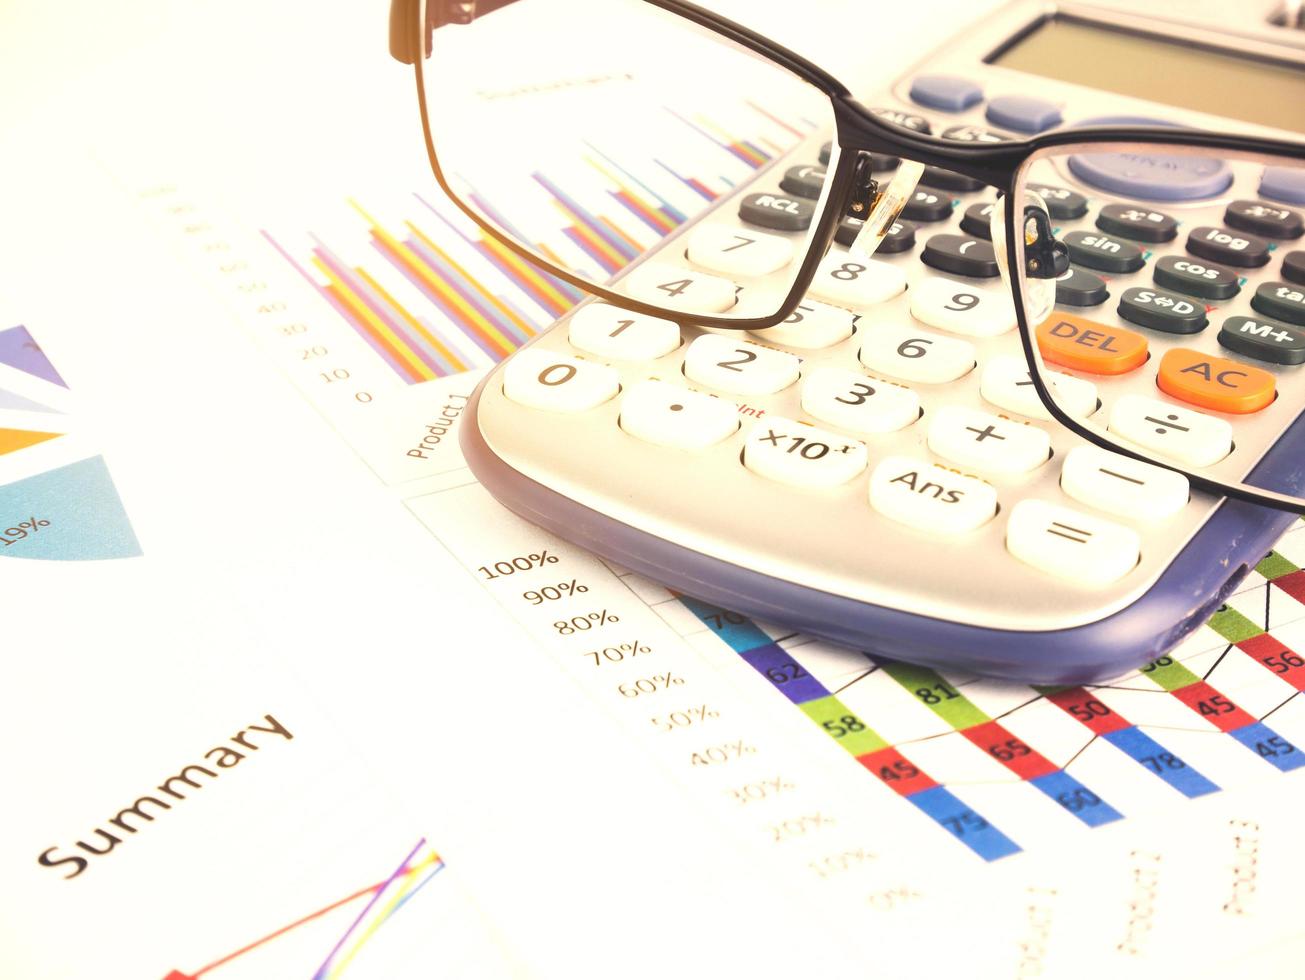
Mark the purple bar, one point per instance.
(20, 350)
(789, 677)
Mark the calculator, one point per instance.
(877, 470)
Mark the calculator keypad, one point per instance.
(896, 393)
(557, 383)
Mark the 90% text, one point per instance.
(550, 592)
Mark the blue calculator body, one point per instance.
(632, 438)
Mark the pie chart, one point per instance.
(58, 501)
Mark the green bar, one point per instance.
(842, 725)
(936, 694)
(1232, 625)
(1169, 674)
(1274, 565)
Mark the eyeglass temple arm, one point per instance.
(438, 13)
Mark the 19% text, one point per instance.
(22, 530)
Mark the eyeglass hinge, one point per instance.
(865, 189)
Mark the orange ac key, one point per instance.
(1094, 348)
(1214, 382)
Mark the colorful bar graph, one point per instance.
(1224, 713)
(893, 768)
(953, 707)
(1110, 725)
(603, 217)
(1265, 649)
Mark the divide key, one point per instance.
(1098, 251)
(1162, 311)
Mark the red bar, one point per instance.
(1089, 709)
(1218, 709)
(1281, 660)
(1013, 753)
(1293, 583)
(897, 772)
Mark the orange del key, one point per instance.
(1091, 347)
(1214, 382)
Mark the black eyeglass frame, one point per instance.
(857, 131)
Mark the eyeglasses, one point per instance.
(518, 96)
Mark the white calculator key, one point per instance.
(677, 288)
(737, 251)
(1178, 433)
(1121, 485)
(622, 335)
(987, 443)
(1006, 384)
(668, 415)
(811, 326)
(1071, 544)
(736, 366)
(850, 400)
(801, 455)
(915, 355)
(930, 498)
(543, 379)
(962, 308)
(845, 280)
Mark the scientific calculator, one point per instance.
(877, 470)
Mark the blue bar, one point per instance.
(741, 636)
(964, 824)
(1141, 747)
(1270, 746)
(783, 668)
(1076, 798)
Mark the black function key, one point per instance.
(973, 134)
(949, 180)
(1293, 267)
(1139, 224)
(1062, 204)
(1195, 278)
(1098, 251)
(1278, 299)
(1078, 287)
(1230, 248)
(927, 205)
(906, 120)
(1263, 340)
(777, 211)
(900, 237)
(805, 181)
(1268, 220)
(879, 162)
(975, 220)
(1162, 311)
(961, 256)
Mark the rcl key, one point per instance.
(1161, 311)
(776, 211)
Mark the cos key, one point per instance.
(1196, 278)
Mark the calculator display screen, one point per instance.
(1147, 66)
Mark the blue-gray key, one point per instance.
(1098, 251)
(1156, 176)
(1023, 113)
(1284, 184)
(951, 93)
(1281, 300)
(1264, 340)
(1228, 247)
